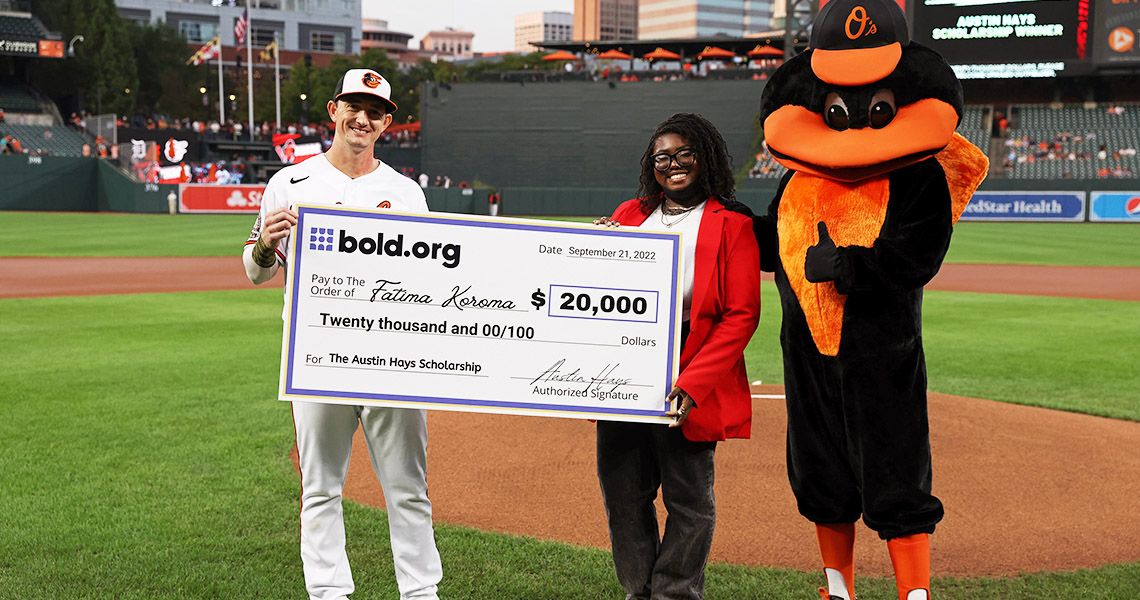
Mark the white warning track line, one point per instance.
(766, 396)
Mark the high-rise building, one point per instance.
(673, 19)
(323, 26)
(538, 26)
(449, 43)
(605, 20)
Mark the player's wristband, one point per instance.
(263, 254)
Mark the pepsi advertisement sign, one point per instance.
(1115, 206)
(1026, 206)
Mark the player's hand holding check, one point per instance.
(275, 228)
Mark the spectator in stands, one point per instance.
(13, 145)
(4, 149)
(102, 149)
(1, 115)
(423, 179)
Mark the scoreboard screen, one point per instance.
(1006, 39)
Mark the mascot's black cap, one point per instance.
(856, 42)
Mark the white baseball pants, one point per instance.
(397, 444)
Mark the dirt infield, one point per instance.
(37, 276)
(1026, 489)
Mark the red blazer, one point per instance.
(724, 315)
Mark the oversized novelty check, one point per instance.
(476, 314)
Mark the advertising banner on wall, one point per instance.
(1026, 206)
(1115, 206)
(175, 145)
(209, 198)
(1115, 41)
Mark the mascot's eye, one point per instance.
(882, 110)
(835, 112)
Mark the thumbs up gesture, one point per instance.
(822, 261)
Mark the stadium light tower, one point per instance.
(71, 45)
(797, 24)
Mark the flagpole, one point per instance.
(277, 75)
(249, 66)
(221, 88)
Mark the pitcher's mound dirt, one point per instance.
(1025, 489)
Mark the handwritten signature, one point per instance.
(605, 376)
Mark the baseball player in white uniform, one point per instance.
(348, 174)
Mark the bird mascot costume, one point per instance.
(864, 121)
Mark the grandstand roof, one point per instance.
(22, 34)
(686, 47)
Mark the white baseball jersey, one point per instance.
(396, 438)
(316, 181)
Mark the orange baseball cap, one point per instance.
(856, 42)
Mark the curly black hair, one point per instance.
(715, 177)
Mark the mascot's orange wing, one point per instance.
(966, 167)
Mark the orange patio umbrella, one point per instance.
(660, 53)
(715, 53)
(560, 55)
(760, 51)
(615, 55)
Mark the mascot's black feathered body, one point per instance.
(864, 121)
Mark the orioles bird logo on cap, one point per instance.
(859, 15)
(371, 80)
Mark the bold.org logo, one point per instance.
(321, 238)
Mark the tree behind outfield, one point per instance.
(103, 76)
(166, 84)
(319, 84)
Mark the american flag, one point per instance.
(241, 26)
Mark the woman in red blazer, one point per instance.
(686, 185)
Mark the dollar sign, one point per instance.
(538, 299)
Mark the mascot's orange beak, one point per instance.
(800, 140)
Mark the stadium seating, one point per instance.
(17, 98)
(63, 141)
(21, 26)
(1074, 142)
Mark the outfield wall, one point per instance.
(56, 183)
(89, 184)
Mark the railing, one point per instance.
(104, 125)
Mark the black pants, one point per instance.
(858, 441)
(634, 459)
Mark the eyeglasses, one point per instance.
(685, 157)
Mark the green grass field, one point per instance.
(1066, 353)
(151, 460)
(171, 479)
(95, 234)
